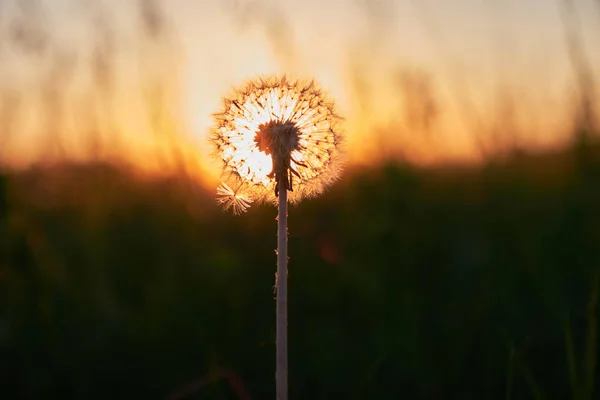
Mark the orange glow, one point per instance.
(111, 91)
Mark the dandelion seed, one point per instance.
(228, 198)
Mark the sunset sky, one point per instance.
(423, 79)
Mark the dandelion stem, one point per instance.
(281, 372)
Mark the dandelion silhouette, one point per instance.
(275, 136)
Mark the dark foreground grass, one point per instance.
(404, 283)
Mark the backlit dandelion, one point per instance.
(276, 136)
(277, 130)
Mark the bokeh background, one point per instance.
(457, 258)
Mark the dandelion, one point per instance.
(276, 130)
(275, 136)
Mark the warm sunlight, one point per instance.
(138, 84)
(427, 171)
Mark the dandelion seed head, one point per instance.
(275, 129)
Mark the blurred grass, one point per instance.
(404, 283)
